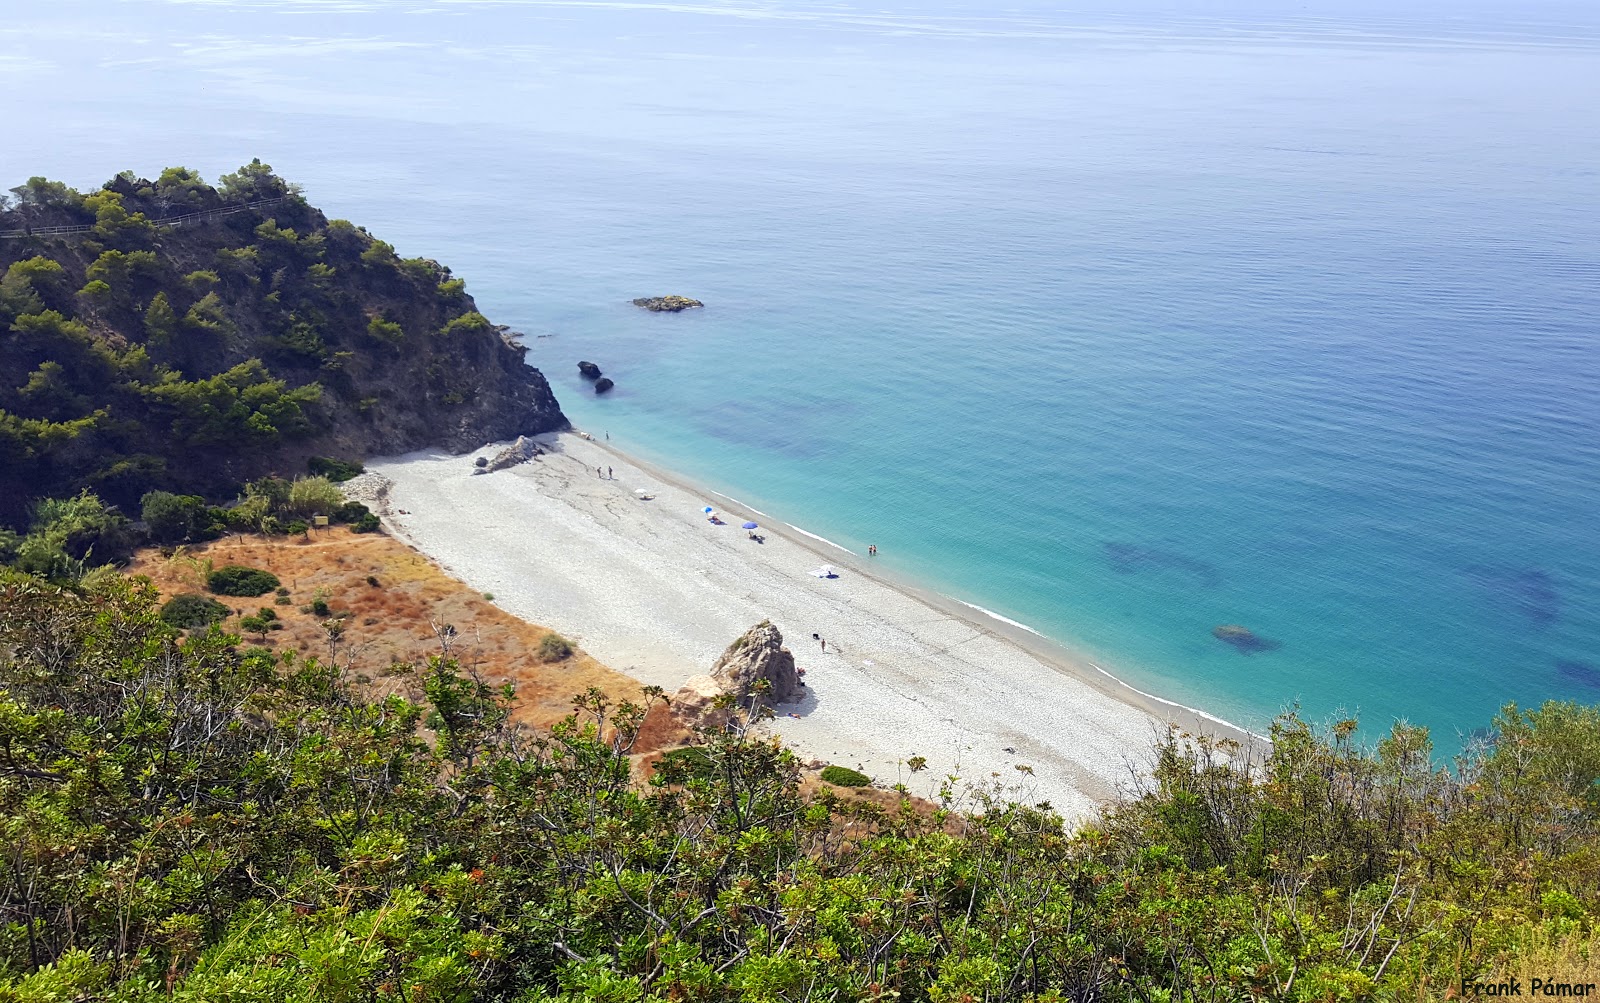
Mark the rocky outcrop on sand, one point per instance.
(588, 370)
(759, 656)
(666, 304)
(603, 384)
(521, 451)
(755, 657)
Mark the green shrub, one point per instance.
(192, 610)
(681, 764)
(471, 322)
(310, 496)
(320, 608)
(333, 469)
(841, 776)
(297, 528)
(366, 524)
(349, 512)
(238, 580)
(554, 648)
(174, 518)
(253, 624)
(386, 331)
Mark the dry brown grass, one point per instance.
(1552, 958)
(393, 622)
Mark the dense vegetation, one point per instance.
(188, 359)
(69, 539)
(189, 819)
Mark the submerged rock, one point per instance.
(1528, 592)
(1579, 672)
(588, 370)
(1243, 639)
(603, 384)
(521, 451)
(666, 304)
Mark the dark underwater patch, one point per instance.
(1526, 592)
(1579, 672)
(1132, 558)
(765, 425)
(1243, 640)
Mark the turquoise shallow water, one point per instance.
(1122, 325)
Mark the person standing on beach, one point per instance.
(609, 476)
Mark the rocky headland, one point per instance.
(192, 358)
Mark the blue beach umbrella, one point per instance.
(708, 510)
(749, 525)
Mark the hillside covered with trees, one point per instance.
(188, 818)
(139, 356)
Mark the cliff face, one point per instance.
(255, 335)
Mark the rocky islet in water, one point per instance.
(667, 304)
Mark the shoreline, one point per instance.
(1053, 653)
(653, 591)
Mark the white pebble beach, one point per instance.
(654, 590)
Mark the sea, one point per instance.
(1123, 322)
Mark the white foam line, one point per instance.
(1116, 679)
(747, 505)
(997, 616)
(814, 536)
(1173, 703)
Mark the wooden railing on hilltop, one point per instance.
(194, 217)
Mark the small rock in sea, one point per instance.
(603, 384)
(1243, 639)
(588, 370)
(666, 304)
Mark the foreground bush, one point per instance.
(189, 819)
(238, 580)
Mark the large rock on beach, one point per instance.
(759, 655)
(666, 304)
(603, 384)
(588, 370)
(521, 451)
(756, 656)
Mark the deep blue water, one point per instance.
(1123, 324)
